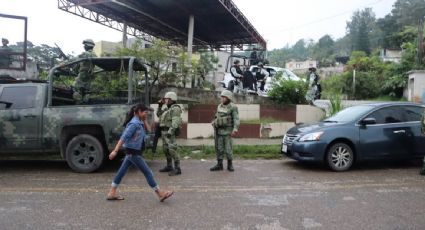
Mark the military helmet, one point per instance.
(4, 40)
(228, 94)
(88, 42)
(260, 64)
(171, 95)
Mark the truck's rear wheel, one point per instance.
(84, 153)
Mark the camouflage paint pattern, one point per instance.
(170, 120)
(85, 76)
(47, 126)
(226, 121)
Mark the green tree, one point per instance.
(323, 51)
(204, 66)
(408, 12)
(158, 56)
(361, 26)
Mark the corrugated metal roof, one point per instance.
(217, 22)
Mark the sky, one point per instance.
(280, 22)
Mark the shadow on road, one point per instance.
(361, 166)
(27, 164)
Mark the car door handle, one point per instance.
(30, 116)
(399, 131)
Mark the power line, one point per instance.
(324, 19)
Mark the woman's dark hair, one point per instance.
(134, 108)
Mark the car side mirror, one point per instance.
(368, 121)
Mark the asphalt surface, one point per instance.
(261, 194)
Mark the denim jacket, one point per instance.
(134, 134)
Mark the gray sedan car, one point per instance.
(374, 131)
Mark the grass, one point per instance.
(266, 120)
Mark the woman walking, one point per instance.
(132, 140)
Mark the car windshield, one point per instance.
(349, 114)
(291, 75)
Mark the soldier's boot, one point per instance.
(422, 172)
(169, 166)
(218, 166)
(177, 170)
(230, 166)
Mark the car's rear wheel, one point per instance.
(340, 157)
(85, 153)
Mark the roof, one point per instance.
(217, 22)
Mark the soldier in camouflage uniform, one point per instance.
(169, 114)
(85, 72)
(226, 125)
(422, 172)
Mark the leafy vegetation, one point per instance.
(288, 91)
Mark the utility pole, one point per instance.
(124, 36)
(420, 41)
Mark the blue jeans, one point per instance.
(140, 163)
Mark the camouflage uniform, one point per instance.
(85, 73)
(170, 121)
(422, 172)
(226, 121)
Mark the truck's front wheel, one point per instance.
(84, 153)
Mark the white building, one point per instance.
(301, 65)
(416, 86)
(391, 55)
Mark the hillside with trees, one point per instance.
(366, 36)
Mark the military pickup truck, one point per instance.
(37, 116)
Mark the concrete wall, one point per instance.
(416, 85)
(309, 114)
(197, 119)
(275, 129)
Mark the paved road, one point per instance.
(263, 194)
(236, 141)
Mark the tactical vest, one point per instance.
(166, 118)
(223, 117)
(86, 65)
(238, 70)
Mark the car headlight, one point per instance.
(311, 137)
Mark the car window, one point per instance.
(350, 113)
(272, 72)
(413, 113)
(18, 97)
(388, 115)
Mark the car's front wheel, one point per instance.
(85, 154)
(340, 157)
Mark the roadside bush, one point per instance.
(367, 85)
(288, 92)
(332, 85)
(336, 104)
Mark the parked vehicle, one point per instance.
(228, 80)
(364, 132)
(37, 116)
